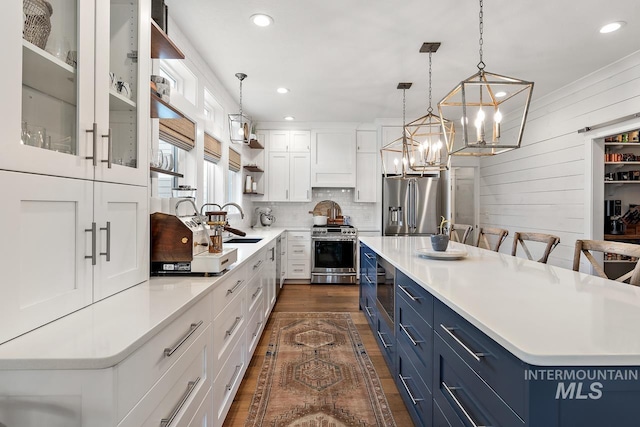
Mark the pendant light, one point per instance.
(426, 134)
(397, 151)
(490, 109)
(239, 124)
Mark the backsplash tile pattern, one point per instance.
(364, 216)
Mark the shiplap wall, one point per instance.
(542, 187)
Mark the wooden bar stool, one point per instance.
(499, 233)
(462, 228)
(550, 240)
(618, 248)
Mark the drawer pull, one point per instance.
(166, 422)
(368, 280)
(256, 293)
(232, 290)
(384, 344)
(258, 264)
(459, 404)
(474, 354)
(300, 251)
(255, 334)
(170, 350)
(404, 289)
(234, 377)
(369, 256)
(234, 326)
(368, 311)
(415, 400)
(413, 341)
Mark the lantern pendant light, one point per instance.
(490, 109)
(239, 124)
(398, 151)
(426, 134)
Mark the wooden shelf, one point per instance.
(166, 172)
(252, 168)
(255, 144)
(161, 45)
(622, 237)
(622, 182)
(622, 163)
(163, 110)
(619, 261)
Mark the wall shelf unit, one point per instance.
(255, 144)
(161, 45)
(166, 172)
(253, 168)
(163, 110)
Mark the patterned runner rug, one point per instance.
(317, 373)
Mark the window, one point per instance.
(209, 191)
(173, 83)
(214, 114)
(233, 188)
(185, 81)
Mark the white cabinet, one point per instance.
(288, 177)
(61, 117)
(289, 141)
(333, 158)
(270, 282)
(366, 166)
(67, 243)
(299, 255)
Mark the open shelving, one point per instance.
(166, 172)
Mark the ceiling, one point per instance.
(342, 60)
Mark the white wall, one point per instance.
(546, 185)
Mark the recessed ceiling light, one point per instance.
(501, 94)
(282, 90)
(611, 27)
(261, 20)
(289, 118)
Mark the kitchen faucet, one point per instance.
(209, 204)
(237, 207)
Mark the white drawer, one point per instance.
(204, 414)
(255, 326)
(299, 250)
(179, 392)
(255, 263)
(229, 286)
(299, 269)
(296, 236)
(226, 384)
(140, 371)
(228, 329)
(255, 292)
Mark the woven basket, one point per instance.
(37, 21)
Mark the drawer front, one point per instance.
(255, 264)
(415, 295)
(299, 269)
(229, 286)
(204, 414)
(228, 329)
(297, 236)
(416, 336)
(299, 250)
(441, 420)
(459, 390)
(255, 325)
(386, 341)
(367, 258)
(255, 292)
(226, 384)
(414, 392)
(147, 364)
(371, 311)
(499, 368)
(179, 392)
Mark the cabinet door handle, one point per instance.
(233, 327)
(369, 256)
(413, 298)
(384, 344)
(109, 149)
(232, 290)
(459, 404)
(108, 252)
(367, 309)
(256, 293)
(94, 131)
(299, 251)
(256, 265)
(92, 230)
(449, 330)
(358, 194)
(192, 328)
(287, 194)
(191, 385)
(255, 334)
(415, 400)
(368, 280)
(234, 377)
(413, 341)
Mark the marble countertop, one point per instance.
(103, 334)
(544, 315)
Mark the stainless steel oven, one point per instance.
(333, 254)
(385, 291)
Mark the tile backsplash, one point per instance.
(364, 216)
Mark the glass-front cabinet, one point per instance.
(76, 112)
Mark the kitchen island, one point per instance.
(491, 339)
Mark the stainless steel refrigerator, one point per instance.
(410, 206)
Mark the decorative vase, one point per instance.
(439, 242)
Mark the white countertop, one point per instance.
(103, 334)
(544, 315)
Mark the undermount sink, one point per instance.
(244, 240)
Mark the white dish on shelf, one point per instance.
(449, 254)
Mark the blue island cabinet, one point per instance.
(450, 373)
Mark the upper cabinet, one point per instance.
(82, 88)
(333, 158)
(366, 166)
(288, 178)
(294, 141)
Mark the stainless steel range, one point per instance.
(333, 256)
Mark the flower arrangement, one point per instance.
(442, 228)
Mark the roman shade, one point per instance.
(178, 132)
(234, 160)
(212, 148)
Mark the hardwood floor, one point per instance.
(309, 298)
